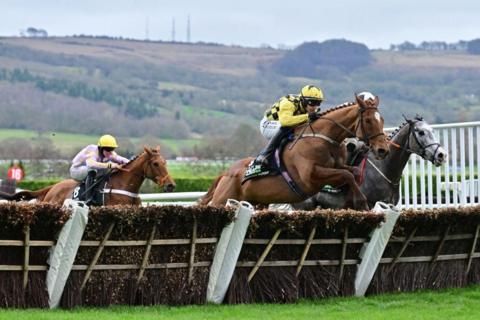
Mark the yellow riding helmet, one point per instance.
(310, 92)
(107, 141)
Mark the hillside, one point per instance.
(131, 88)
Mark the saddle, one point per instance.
(275, 167)
(79, 193)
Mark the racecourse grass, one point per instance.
(445, 304)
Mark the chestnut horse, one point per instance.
(124, 182)
(312, 161)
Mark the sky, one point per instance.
(376, 23)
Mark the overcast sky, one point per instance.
(377, 23)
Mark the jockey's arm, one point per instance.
(286, 117)
(92, 164)
(119, 159)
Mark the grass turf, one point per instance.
(445, 304)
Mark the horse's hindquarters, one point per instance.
(60, 191)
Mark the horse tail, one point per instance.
(26, 195)
(209, 195)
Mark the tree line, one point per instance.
(136, 107)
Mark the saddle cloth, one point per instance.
(79, 193)
(275, 167)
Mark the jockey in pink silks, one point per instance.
(95, 157)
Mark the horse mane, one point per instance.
(407, 121)
(344, 105)
(138, 156)
(134, 158)
(394, 132)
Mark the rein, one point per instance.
(143, 175)
(366, 138)
(383, 174)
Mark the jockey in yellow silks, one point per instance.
(288, 112)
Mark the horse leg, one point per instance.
(336, 177)
(227, 188)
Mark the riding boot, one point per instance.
(89, 181)
(271, 146)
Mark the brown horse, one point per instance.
(124, 183)
(312, 161)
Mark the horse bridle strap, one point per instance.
(411, 132)
(321, 136)
(381, 173)
(366, 138)
(122, 192)
(350, 132)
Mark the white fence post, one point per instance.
(63, 254)
(227, 252)
(372, 251)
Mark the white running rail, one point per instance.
(456, 183)
(172, 198)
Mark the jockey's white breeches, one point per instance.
(268, 128)
(78, 173)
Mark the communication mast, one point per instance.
(147, 29)
(173, 29)
(188, 28)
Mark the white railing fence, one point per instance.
(177, 198)
(453, 184)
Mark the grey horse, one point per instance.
(382, 177)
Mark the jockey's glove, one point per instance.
(312, 116)
(114, 165)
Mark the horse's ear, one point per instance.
(359, 101)
(376, 101)
(409, 121)
(147, 150)
(157, 148)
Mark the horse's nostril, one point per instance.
(382, 152)
(440, 155)
(169, 187)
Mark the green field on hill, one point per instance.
(445, 304)
(68, 143)
(203, 90)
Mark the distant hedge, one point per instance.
(183, 184)
(35, 184)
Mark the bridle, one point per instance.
(160, 182)
(365, 137)
(422, 148)
(144, 175)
